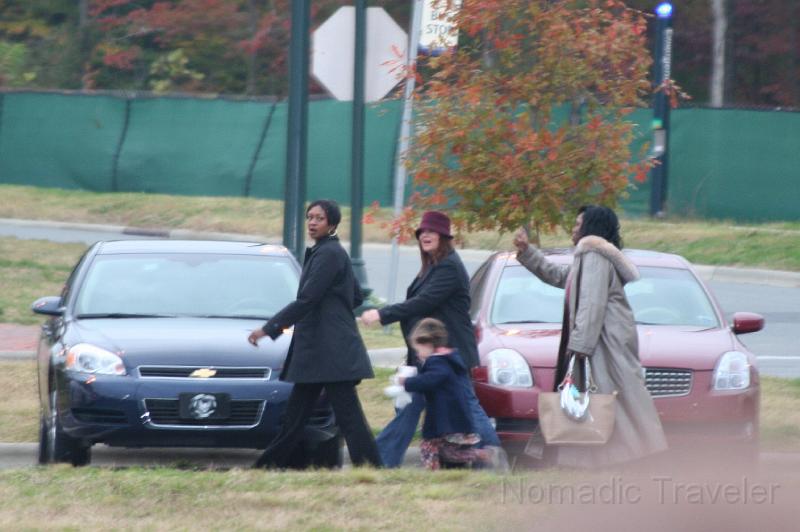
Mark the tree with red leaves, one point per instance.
(526, 120)
(231, 46)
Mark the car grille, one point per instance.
(508, 424)
(185, 372)
(244, 413)
(668, 382)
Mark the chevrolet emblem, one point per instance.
(203, 373)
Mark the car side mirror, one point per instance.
(48, 306)
(747, 322)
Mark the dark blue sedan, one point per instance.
(147, 346)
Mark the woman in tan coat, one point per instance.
(604, 330)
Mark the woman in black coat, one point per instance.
(326, 351)
(440, 291)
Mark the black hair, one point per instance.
(600, 221)
(331, 208)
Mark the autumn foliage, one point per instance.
(526, 120)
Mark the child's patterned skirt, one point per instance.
(456, 449)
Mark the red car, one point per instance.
(703, 380)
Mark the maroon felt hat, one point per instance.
(435, 221)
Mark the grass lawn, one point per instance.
(181, 497)
(772, 245)
(173, 499)
(30, 269)
(780, 414)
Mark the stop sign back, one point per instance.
(333, 50)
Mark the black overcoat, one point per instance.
(326, 345)
(442, 293)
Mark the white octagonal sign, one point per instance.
(333, 48)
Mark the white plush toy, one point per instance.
(401, 397)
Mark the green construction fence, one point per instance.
(723, 163)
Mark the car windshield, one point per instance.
(191, 284)
(663, 296)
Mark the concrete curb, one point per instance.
(17, 355)
(387, 358)
(709, 273)
(727, 274)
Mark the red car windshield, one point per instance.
(663, 296)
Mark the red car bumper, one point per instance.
(702, 415)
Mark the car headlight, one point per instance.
(509, 368)
(88, 358)
(732, 372)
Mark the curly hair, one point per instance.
(600, 221)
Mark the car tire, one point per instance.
(55, 446)
(44, 450)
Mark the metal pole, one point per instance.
(662, 70)
(295, 194)
(404, 142)
(357, 155)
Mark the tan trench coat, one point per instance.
(604, 328)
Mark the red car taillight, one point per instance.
(480, 374)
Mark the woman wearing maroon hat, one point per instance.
(440, 290)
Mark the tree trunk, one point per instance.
(252, 12)
(720, 28)
(83, 41)
(795, 51)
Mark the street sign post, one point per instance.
(357, 145)
(355, 55)
(662, 70)
(295, 195)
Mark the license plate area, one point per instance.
(201, 405)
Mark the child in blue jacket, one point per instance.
(448, 431)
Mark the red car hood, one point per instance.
(659, 346)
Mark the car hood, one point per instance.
(181, 341)
(687, 347)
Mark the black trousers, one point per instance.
(349, 417)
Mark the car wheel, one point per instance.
(57, 447)
(44, 451)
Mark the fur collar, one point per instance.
(625, 268)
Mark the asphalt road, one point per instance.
(776, 346)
